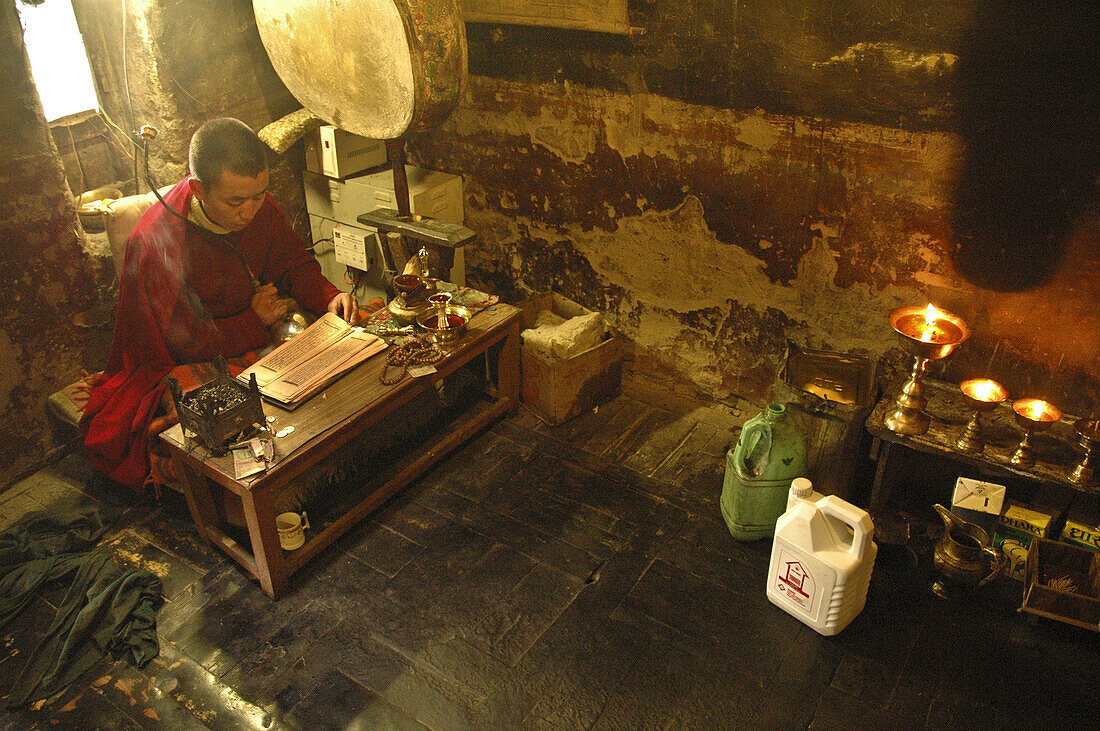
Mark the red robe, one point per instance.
(186, 297)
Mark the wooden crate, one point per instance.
(559, 389)
(1077, 600)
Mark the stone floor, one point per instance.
(578, 576)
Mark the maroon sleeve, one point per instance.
(293, 267)
(194, 339)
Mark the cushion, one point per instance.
(121, 217)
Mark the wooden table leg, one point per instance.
(879, 495)
(200, 500)
(259, 513)
(508, 367)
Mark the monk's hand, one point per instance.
(267, 304)
(346, 306)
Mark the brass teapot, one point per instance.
(964, 558)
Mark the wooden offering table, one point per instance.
(328, 421)
(1056, 451)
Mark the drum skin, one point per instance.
(382, 69)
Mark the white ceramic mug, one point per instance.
(292, 530)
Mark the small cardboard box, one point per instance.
(559, 389)
(1082, 526)
(1018, 527)
(978, 502)
(1062, 582)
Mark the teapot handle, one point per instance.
(996, 565)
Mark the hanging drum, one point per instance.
(382, 69)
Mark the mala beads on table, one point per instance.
(415, 351)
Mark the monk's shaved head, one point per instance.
(226, 144)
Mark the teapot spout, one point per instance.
(949, 519)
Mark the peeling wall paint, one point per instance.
(710, 236)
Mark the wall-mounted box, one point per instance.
(333, 152)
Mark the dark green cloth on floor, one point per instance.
(107, 610)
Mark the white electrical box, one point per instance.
(333, 152)
(337, 204)
(350, 246)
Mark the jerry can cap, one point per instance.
(801, 487)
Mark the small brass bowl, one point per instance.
(288, 326)
(427, 322)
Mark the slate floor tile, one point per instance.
(379, 547)
(178, 536)
(130, 550)
(416, 690)
(223, 617)
(18, 638)
(535, 604)
(86, 708)
(532, 542)
(412, 520)
(137, 695)
(340, 703)
(216, 705)
(291, 659)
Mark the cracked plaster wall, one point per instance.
(797, 203)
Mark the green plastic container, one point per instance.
(770, 452)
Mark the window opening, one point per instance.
(59, 62)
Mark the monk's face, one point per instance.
(231, 200)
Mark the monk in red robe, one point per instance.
(200, 280)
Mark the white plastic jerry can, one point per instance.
(822, 558)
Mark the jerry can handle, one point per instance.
(855, 518)
(750, 439)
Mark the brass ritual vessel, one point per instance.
(964, 558)
(982, 396)
(1033, 415)
(411, 300)
(1088, 436)
(927, 334)
(444, 321)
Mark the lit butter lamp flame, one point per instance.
(930, 330)
(985, 390)
(1037, 411)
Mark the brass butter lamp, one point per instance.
(927, 334)
(1088, 436)
(1033, 415)
(982, 396)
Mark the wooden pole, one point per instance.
(395, 150)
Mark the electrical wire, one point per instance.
(126, 86)
(113, 127)
(79, 164)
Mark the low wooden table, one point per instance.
(329, 420)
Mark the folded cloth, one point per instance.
(106, 610)
(556, 338)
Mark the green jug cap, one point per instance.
(774, 411)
